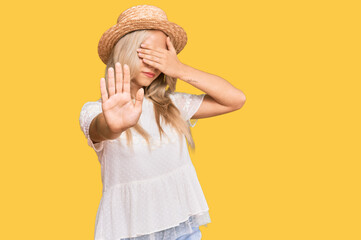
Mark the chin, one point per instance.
(150, 80)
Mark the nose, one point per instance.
(151, 68)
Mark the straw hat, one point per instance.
(136, 18)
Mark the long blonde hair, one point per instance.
(125, 52)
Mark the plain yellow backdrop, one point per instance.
(285, 166)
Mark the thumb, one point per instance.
(170, 45)
(139, 99)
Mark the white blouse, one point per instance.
(147, 190)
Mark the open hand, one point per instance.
(119, 110)
(164, 60)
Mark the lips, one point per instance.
(149, 74)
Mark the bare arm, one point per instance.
(99, 131)
(221, 97)
(218, 88)
(119, 112)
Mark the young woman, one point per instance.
(140, 127)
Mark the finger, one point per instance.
(126, 79)
(153, 64)
(170, 45)
(118, 77)
(111, 81)
(139, 99)
(147, 46)
(103, 90)
(150, 57)
(158, 53)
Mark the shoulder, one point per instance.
(92, 105)
(178, 94)
(181, 96)
(89, 110)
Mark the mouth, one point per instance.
(149, 74)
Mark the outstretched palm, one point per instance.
(119, 110)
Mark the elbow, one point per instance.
(240, 101)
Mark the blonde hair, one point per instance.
(125, 52)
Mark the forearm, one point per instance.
(99, 130)
(218, 88)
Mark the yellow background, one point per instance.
(285, 166)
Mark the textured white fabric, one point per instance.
(183, 229)
(147, 190)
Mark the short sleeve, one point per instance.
(88, 112)
(188, 104)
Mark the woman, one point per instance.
(139, 130)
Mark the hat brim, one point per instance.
(110, 37)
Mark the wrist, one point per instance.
(111, 134)
(183, 71)
(105, 131)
